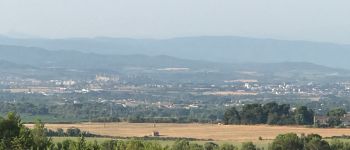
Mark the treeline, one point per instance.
(292, 141)
(269, 113)
(334, 118)
(70, 132)
(81, 144)
(110, 112)
(28, 108)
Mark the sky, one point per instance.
(313, 20)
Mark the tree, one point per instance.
(120, 145)
(60, 132)
(153, 146)
(333, 121)
(269, 109)
(181, 145)
(211, 146)
(94, 146)
(289, 141)
(228, 147)
(252, 114)
(335, 116)
(110, 145)
(135, 145)
(10, 128)
(73, 132)
(304, 116)
(40, 140)
(24, 140)
(317, 144)
(338, 112)
(232, 116)
(59, 146)
(248, 146)
(277, 114)
(195, 146)
(273, 118)
(67, 144)
(81, 144)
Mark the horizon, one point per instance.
(23, 36)
(312, 20)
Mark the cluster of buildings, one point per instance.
(308, 89)
(112, 83)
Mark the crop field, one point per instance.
(228, 133)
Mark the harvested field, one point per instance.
(236, 133)
(226, 93)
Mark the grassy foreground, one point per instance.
(259, 144)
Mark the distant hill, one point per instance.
(210, 48)
(5, 65)
(43, 58)
(45, 63)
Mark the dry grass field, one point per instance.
(226, 93)
(237, 133)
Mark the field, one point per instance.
(224, 133)
(226, 93)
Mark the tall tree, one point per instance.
(40, 139)
(289, 141)
(335, 116)
(315, 142)
(338, 112)
(81, 144)
(211, 146)
(248, 146)
(304, 116)
(232, 116)
(10, 128)
(135, 145)
(252, 114)
(181, 145)
(24, 139)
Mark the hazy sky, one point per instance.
(316, 20)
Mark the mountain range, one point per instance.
(222, 49)
(42, 63)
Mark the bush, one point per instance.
(248, 146)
